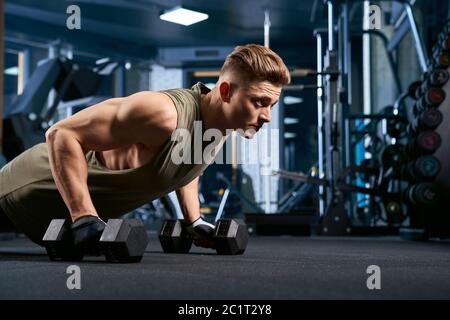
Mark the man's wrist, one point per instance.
(190, 219)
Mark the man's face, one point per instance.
(251, 106)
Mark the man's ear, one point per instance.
(225, 91)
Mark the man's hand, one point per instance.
(202, 232)
(86, 231)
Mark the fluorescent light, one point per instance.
(292, 100)
(289, 120)
(183, 16)
(289, 135)
(128, 65)
(13, 71)
(102, 60)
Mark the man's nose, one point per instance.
(266, 115)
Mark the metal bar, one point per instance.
(320, 121)
(330, 26)
(301, 177)
(308, 72)
(391, 61)
(417, 39)
(367, 86)
(315, 5)
(347, 142)
(222, 204)
(399, 101)
(398, 36)
(2, 31)
(266, 178)
(266, 29)
(372, 116)
(300, 87)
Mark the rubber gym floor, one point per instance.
(283, 267)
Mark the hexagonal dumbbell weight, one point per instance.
(121, 241)
(230, 237)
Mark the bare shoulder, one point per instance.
(149, 103)
(155, 112)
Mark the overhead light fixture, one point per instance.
(183, 16)
(289, 120)
(13, 71)
(292, 100)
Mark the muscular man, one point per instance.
(115, 156)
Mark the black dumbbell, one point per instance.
(121, 241)
(433, 97)
(426, 142)
(421, 169)
(438, 77)
(422, 194)
(443, 41)
(369, 168)
(394, 212)
(434, 78)
(230, 237)
(413, 88)
(58, 242)
(392, 156)
(424, 75)
(174, 237)
(427, 120)
(396, 127)
(441, 58)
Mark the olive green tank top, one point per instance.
(26, 183)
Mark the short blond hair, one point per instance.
(255, 63)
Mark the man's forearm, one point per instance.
(189, 202)
(69, 169)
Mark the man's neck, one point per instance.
(212, 112)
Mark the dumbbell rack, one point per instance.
(434, 220)
(362, 134)
(426, 165)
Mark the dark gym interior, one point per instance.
(350, 202)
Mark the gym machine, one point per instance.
(398, 175)
(30, 115)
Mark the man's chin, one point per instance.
(250, 133)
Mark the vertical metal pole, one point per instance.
(366, 63)
(330, 26)
(222, 204)
(2, 28)
(53, 52)
(20, 72)
(347, 53)
(266, 29)
(417, 39)
(346, 85)
(320, 141)
(346, 81)
(119, 82)
(267, 181)
(348, 141)
(367, 85)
